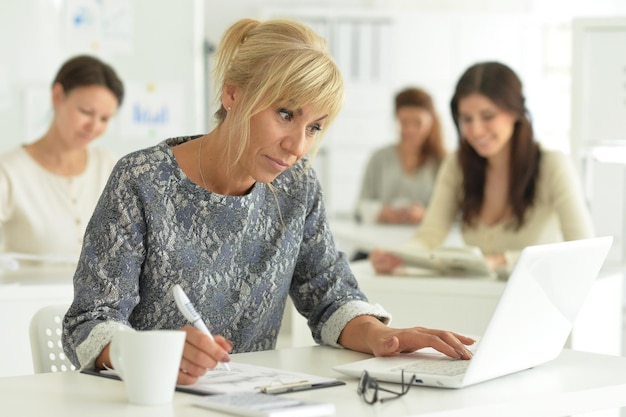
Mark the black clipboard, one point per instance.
(275, 389)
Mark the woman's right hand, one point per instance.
(495, 261)
(201, 353)
(384, 262)
(412, 214)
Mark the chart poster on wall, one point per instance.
(152, 110)
(98, 26)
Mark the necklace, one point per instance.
(200, 162)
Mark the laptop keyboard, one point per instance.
(448, 367)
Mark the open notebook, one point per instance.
(529, 326)
(448, 260)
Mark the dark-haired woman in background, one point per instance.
(49, 188)
(509, 191)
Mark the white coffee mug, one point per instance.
(148, 363)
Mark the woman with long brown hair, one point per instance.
(508, 190)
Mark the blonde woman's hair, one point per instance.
(274, 63)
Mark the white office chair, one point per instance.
(45, 340)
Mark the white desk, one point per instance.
(574, 383)
(352, 236)
(22, 293)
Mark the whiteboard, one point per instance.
(155, 46)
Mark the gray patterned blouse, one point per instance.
(236, 257)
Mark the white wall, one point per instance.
(433, 42)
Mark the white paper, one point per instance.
(243, 377)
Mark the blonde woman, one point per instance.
(236, 218)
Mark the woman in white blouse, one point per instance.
(49, 188)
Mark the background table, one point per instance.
(352, 236)
(22, 293)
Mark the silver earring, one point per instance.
(228, 108)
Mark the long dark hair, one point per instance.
(433, 145)
(86, 70)
(501, 85)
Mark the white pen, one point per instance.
(190, 313)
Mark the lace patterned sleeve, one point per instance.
(106, 279)
(324, 290)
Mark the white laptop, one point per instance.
(529, 326)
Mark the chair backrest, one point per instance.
(45, 340)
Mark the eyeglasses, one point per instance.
(368, 388)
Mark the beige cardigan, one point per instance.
(558, 214)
